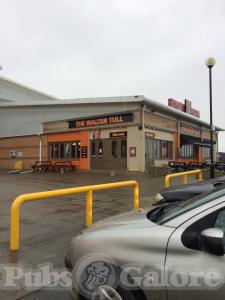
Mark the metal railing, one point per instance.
(15, 207)
(182, 174)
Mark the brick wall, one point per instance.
(27, 146)
(160, 122)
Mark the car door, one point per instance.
(191, 273)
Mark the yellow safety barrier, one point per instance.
(15, 207)
(182, 174)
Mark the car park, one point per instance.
(183, 243)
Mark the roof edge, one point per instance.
(3, 78)
(164, 108)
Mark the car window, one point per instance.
(190, 237)
(220, 223)
(183, 207)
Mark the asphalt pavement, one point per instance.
(48, 226)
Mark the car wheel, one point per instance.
(108, 293)
(100, 280)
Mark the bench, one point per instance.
(178, 165)
(220, 166)
(187, 166)
(63, 166)
(192, 165)
(42, 165)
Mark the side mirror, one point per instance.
(211, 241)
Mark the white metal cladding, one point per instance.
(16, 92)
(16, 121)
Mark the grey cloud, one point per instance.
(89, 48)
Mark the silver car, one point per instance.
(169, 252)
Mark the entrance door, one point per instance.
(108, 154)
(118, 158)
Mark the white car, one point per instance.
(167, 252)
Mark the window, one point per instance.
(61, 150)
(100, 149)
(149, 148)
(75, 149)
(51, 151)
(187, 151)
(169, 150)
(55, 151)
(220, 223)
(157, 149)
(78, 149)
(67, 150)
(123, 149)
(114, 149)
(64, 150)
(205, 153)
(164, 149)
(93, 149)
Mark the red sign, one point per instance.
(190, 131)
(149, 135)
(132, 151)
(97, 134)
(186, 107)
(120, 134)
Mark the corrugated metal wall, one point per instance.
(19, 121)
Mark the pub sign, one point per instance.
(100, 121)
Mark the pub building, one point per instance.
(134, 140)
(131, 133)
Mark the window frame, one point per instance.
(123, 151)
(52, 156)
(114, 154)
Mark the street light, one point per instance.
(210, 62)
(1, 67)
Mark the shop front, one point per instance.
(93, 143)
(159, 148)
(108, 150)
(193, 145)
(69, 146)
(131, 141)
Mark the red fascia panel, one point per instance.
(195, 112)
(176, 104)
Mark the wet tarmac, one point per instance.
(47, 226)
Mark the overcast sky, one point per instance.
(94, 48)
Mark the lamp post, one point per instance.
(210, 62)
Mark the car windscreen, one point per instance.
(163, 214)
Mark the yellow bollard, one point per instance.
(136, 196)
(200, 176)
(15, 226)
(185, 179)
(15, 207)
(89, 201)
(182, 174)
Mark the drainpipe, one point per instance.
(143, 116)
(40, 147)
(143, 137)
(178, 141)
